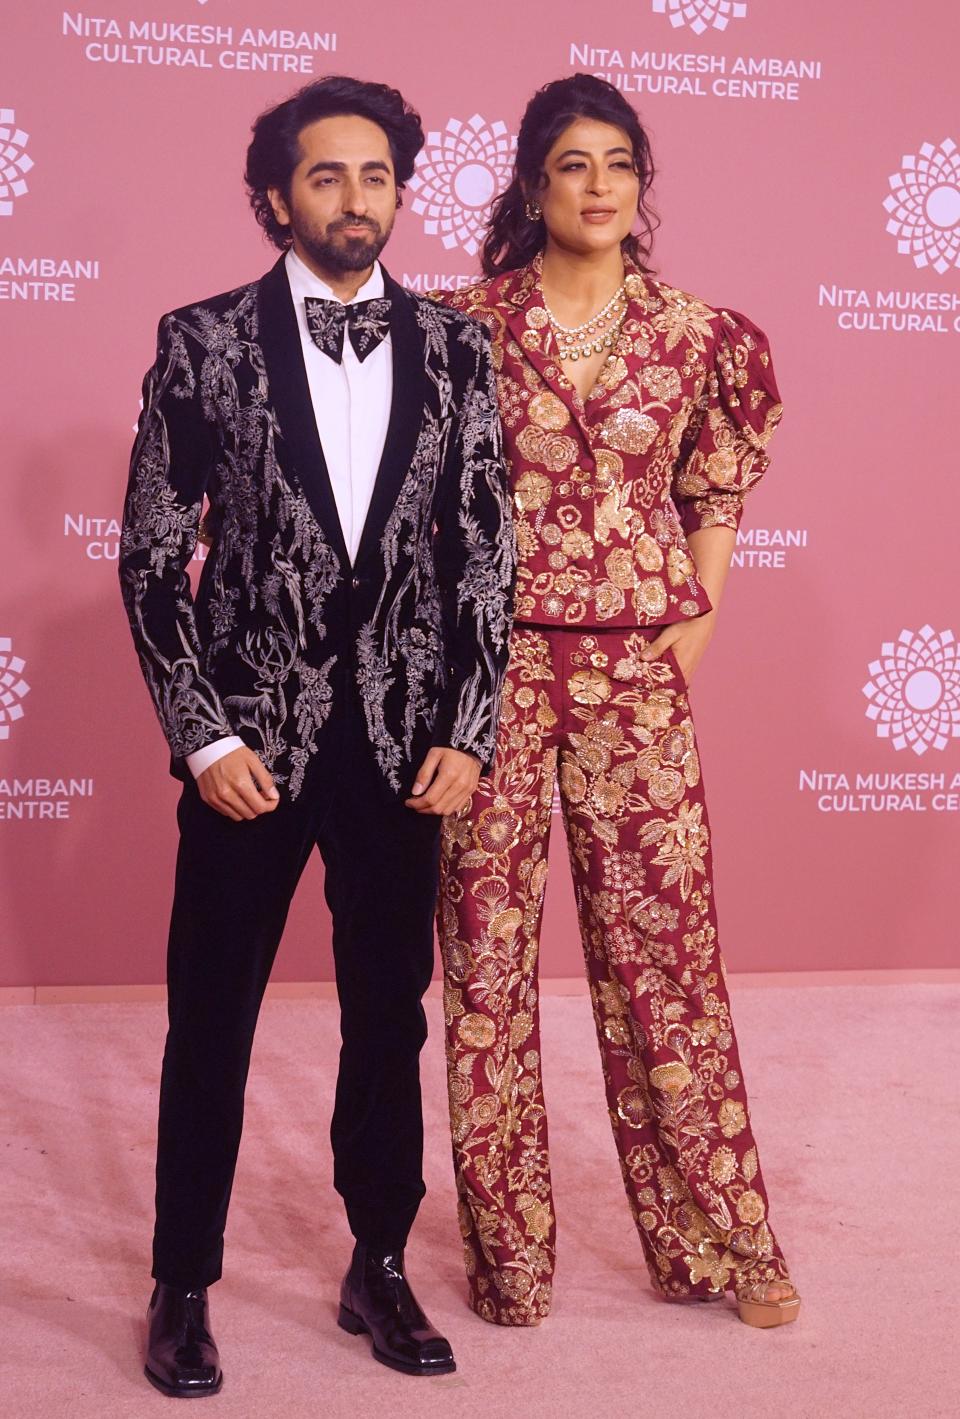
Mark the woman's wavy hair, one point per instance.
(275, 149)
(512, 239)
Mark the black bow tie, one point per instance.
(367, 322)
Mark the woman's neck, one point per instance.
(575, 285)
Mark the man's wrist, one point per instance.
(457, 750)
(201, 759)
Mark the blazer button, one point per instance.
(355, 583)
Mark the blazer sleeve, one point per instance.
(475, 558)
(723, 450)
(169, 468)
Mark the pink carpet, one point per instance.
(855, 1105)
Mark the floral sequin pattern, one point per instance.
(615, 731)
(670, 440)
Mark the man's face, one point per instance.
(343, 195)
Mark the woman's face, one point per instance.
(590, 198)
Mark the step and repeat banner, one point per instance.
(808, 175)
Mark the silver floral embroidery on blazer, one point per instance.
(416, 632)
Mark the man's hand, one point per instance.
(687, 640)
(446, 782)
(238, 786)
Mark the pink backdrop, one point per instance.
(808, 176)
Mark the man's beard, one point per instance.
(342, 254)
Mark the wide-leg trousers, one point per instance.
(616, 732)
(234, 884)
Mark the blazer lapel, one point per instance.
(406, 415)
(289, 393)
(529, 324)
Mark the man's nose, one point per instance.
(354, 200)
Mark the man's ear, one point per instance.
(279, 205)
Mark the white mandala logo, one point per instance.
(914, 691)
(13, 687)
(14, 162)
(459, 173)
(700, 15)
(924, 206)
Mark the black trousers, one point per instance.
(234, 885)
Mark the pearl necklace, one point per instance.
(593, 336)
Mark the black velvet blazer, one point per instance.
(414, 634)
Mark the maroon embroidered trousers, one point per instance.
(616, 732)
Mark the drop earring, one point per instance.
(533, 211)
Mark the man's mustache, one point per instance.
(349, 221)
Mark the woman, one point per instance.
(635, 419)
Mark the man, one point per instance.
(335, 682)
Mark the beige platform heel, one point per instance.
(755, 1310)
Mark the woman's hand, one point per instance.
(687, 639)
(712, 549)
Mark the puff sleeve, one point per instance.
(723, 449)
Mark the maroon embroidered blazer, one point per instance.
(670, 439)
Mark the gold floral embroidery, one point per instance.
(498, 829)
(576, 543)
(672, 437)
(683, 320)
(609, 467)
(609, 600)
(615, 730)
(611, 517)
(648, 554)
(663, 382)
(732, 1117)
(589, 687)
(549, 412)
(629, 431)
(554, 451)
(532, 491)
(619, 568)
(650, 600)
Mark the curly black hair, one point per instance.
(512, 239)
(274, 151)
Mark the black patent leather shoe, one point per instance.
(182, 1357)
(376, 1300)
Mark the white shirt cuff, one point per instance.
(201, 759)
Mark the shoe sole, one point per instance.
(172, 1392)
(764, 1315)
(353, 1325)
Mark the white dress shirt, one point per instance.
(351, 405)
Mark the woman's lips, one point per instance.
(598, 215)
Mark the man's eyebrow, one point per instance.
(327, 165)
